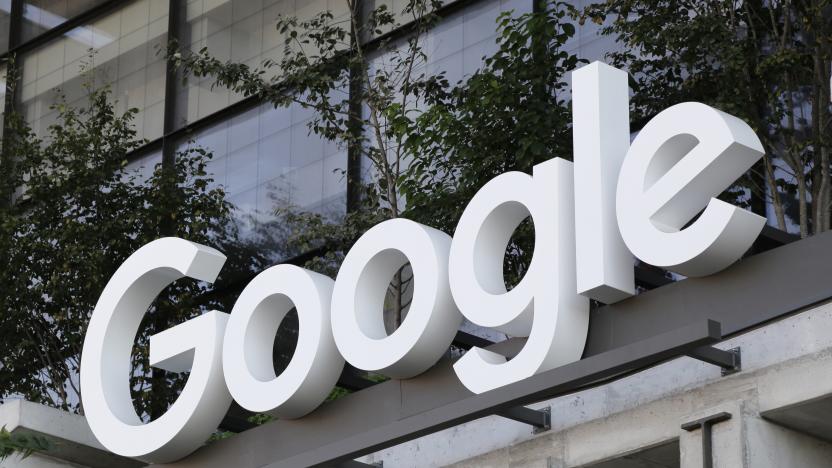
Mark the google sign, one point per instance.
(617, 200)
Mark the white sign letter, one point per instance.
(682, 158)
(358, 300)
(195, 344)
(601, 136)
(250, 335)
(545, 305)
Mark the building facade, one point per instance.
(773, 410)
(58, 45)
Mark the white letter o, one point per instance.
(358, 300)
(249, 338)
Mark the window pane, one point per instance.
(242, 31)
(455, 46)
(142, 167)
(119, 50)
(458, 43)
(266, 160)
(40, 16)
(397, 9)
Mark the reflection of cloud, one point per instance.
(95, 40)
(87, 35)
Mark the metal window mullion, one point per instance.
(15, 36)
(11, 94)
(251, 102)
(61, 29)
(176, 19)
(15, 24)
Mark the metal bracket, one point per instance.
(540, 419)
(729, 360)
(357, 464)
(705, 424)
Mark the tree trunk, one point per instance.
(803, 207)
(776, 201)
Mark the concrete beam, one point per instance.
(750, 293)
(71, 439)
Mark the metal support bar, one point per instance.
(707, 444)
(623, 337)
(353, 379)
(356, 464)
(730, 361)
(651, 277)
(541, 419)
(399, 410)
(237, 418)
(467, 341)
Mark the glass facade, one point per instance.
(398, 9)
(40, 16)
(118, 50)
(267, 161)
(456, 46)
(265, 158)
(143, 166)
(242, 32)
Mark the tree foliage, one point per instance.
(73, 214)
(509, 115)
(361, 85)
(767, 62)
(430, 144)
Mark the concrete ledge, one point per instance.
(787, 366)
(71, 439)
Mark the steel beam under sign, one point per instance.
(628, 336)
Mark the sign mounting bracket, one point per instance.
(729, 360)
(540, 419)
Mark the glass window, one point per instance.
(119, 50)
(143, 166)
(40, 16)
(266, 160)
(458, 43)
(397, 8)
(242, 32)
(456, 46)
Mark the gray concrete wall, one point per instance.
(785, 364)
(71, 442)
(782, 395)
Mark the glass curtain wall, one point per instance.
(143, 166)
(268, 162)
(117, 50)
(242, 32)
(266, 159)
(457, 45)
(40, 16)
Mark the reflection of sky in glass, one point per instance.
(48, 20)
(117, 49)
